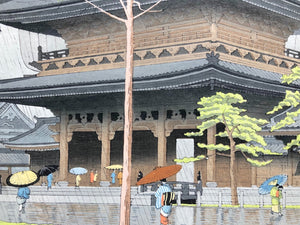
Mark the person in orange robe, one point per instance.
(92, 177)
(120, 177)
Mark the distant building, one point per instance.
(13, 121)
(39, 143)
(12, 162)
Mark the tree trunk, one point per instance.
(233, 184)
(125, 191)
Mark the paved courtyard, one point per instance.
(108, 214)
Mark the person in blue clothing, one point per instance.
(22, 196)
(49, 181)
(164, 196)
(113, 177)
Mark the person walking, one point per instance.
(95, 176)
(199, 181)
(276, 195)
(120, 177)
(77, 181)
(140, 176)
(113, 177)
(92, 176)
(141, 187)
(164, 196)
(49, 181)
(0, 185)
(22, 196)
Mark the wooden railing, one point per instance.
(183, 190)
(292, 53)
(59, 62)
(52, 55)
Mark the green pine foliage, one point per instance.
(289, 78)
(291, 99)
(220, 108)
(189, 159)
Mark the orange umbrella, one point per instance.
(159, 173)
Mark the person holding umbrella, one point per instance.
(274, 186)
(120, 177)
(78, 171)
(22, 196)
(47, 171)
(113, 177)
(22, 180)
(49, 181)
(77, 181)
(164, 194)
(276, 195)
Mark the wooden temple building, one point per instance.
(190, 49)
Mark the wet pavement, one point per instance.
(108, 214)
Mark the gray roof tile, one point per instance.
(164, 76)
(33, 11)
(36, 138)
(12, 159)
(274, 145)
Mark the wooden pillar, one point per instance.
(253, 175)
(290, 169)
(214, 31)
(162, 139)
(105, 151)
(63, 146)
(211, 161)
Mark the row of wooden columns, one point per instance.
(105, 151)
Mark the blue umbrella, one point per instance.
(266, 186)
(78, 170)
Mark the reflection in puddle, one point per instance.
(108, 214)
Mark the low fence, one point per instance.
(211, 196)
(247, 197)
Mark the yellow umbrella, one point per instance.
(22, 179)
(114, 167)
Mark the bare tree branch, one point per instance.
(243, 153)
(147, 10)
(222, 154)
(107, 13)
(124, 7)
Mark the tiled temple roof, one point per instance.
(38, 139)
(289, 8)
(12, 158)
(13, 121)
(278, 117)
(275, 145)
(33, 11)
(209, 71)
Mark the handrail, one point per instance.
(52, 55)
(292, 53)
